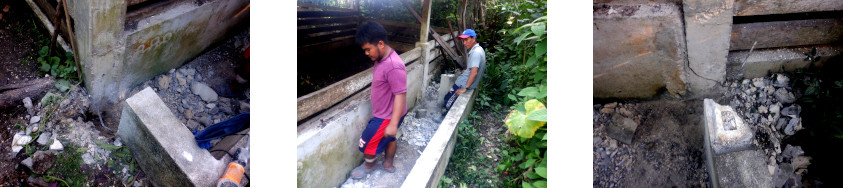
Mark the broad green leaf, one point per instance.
(538, 115)
(529, 92)
(54, 70)
(541, 48)
(529, 163)
(44, 67)
(531, 61)
(540, 184)
(538, 29)
(518, 40)
(62, 85)
(545, 137)
(525, 184)
(54, 60)
(533, 105)
(532, 175)
(541, 171)
(44, 50)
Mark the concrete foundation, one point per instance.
(708, 24)
(638, 50)
(116, 52)
(163, 146)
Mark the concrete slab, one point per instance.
(638, 50)
(164, 147)
(708, 24)
(726, 129)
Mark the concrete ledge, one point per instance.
(726, 129)
(430, 166)
(764, 61)
(163, 146)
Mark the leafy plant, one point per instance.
(527, 159)
(54, 65)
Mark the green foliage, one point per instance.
(463, 166)
(526, 159)
(54, 65)
(68, 167)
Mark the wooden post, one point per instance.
(425, 21)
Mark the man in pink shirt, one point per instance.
(389, 96)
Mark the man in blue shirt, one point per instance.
(473, 74)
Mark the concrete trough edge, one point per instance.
(773, 60)
(430, 166)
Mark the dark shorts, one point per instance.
(450, 98)
(373, 141)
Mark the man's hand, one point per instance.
(460, 91)
(391, 129)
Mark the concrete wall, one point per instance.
(327, 143)
(638, 50)
(686, 48)
(115, 57)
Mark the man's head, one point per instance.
(372, 38)
(469, 38)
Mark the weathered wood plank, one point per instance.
(322, 38)
(309, 14)
(309, 31)
(322, 47)
(786, 33)
(764, 7)
(321, 21)
(312, 6)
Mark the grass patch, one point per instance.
(67, 169)
(468, 167)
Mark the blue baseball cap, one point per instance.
(468, 33)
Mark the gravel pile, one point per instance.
(768, 105)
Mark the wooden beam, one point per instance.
(309, 14)
(328, 37)
(425, 21)
(308, 5)
(786, 33)
(322, 21)
(310, 31)
(765, 7)
(445, 46)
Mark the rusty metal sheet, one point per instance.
(786, 33)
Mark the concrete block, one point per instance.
(726, 129)
(746, 168)
(446, 81)
(163, 147)
(708, 24)
(638, 50)
(763, 7)
(622, 128)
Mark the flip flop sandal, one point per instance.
(361, 171)
(384, 168)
